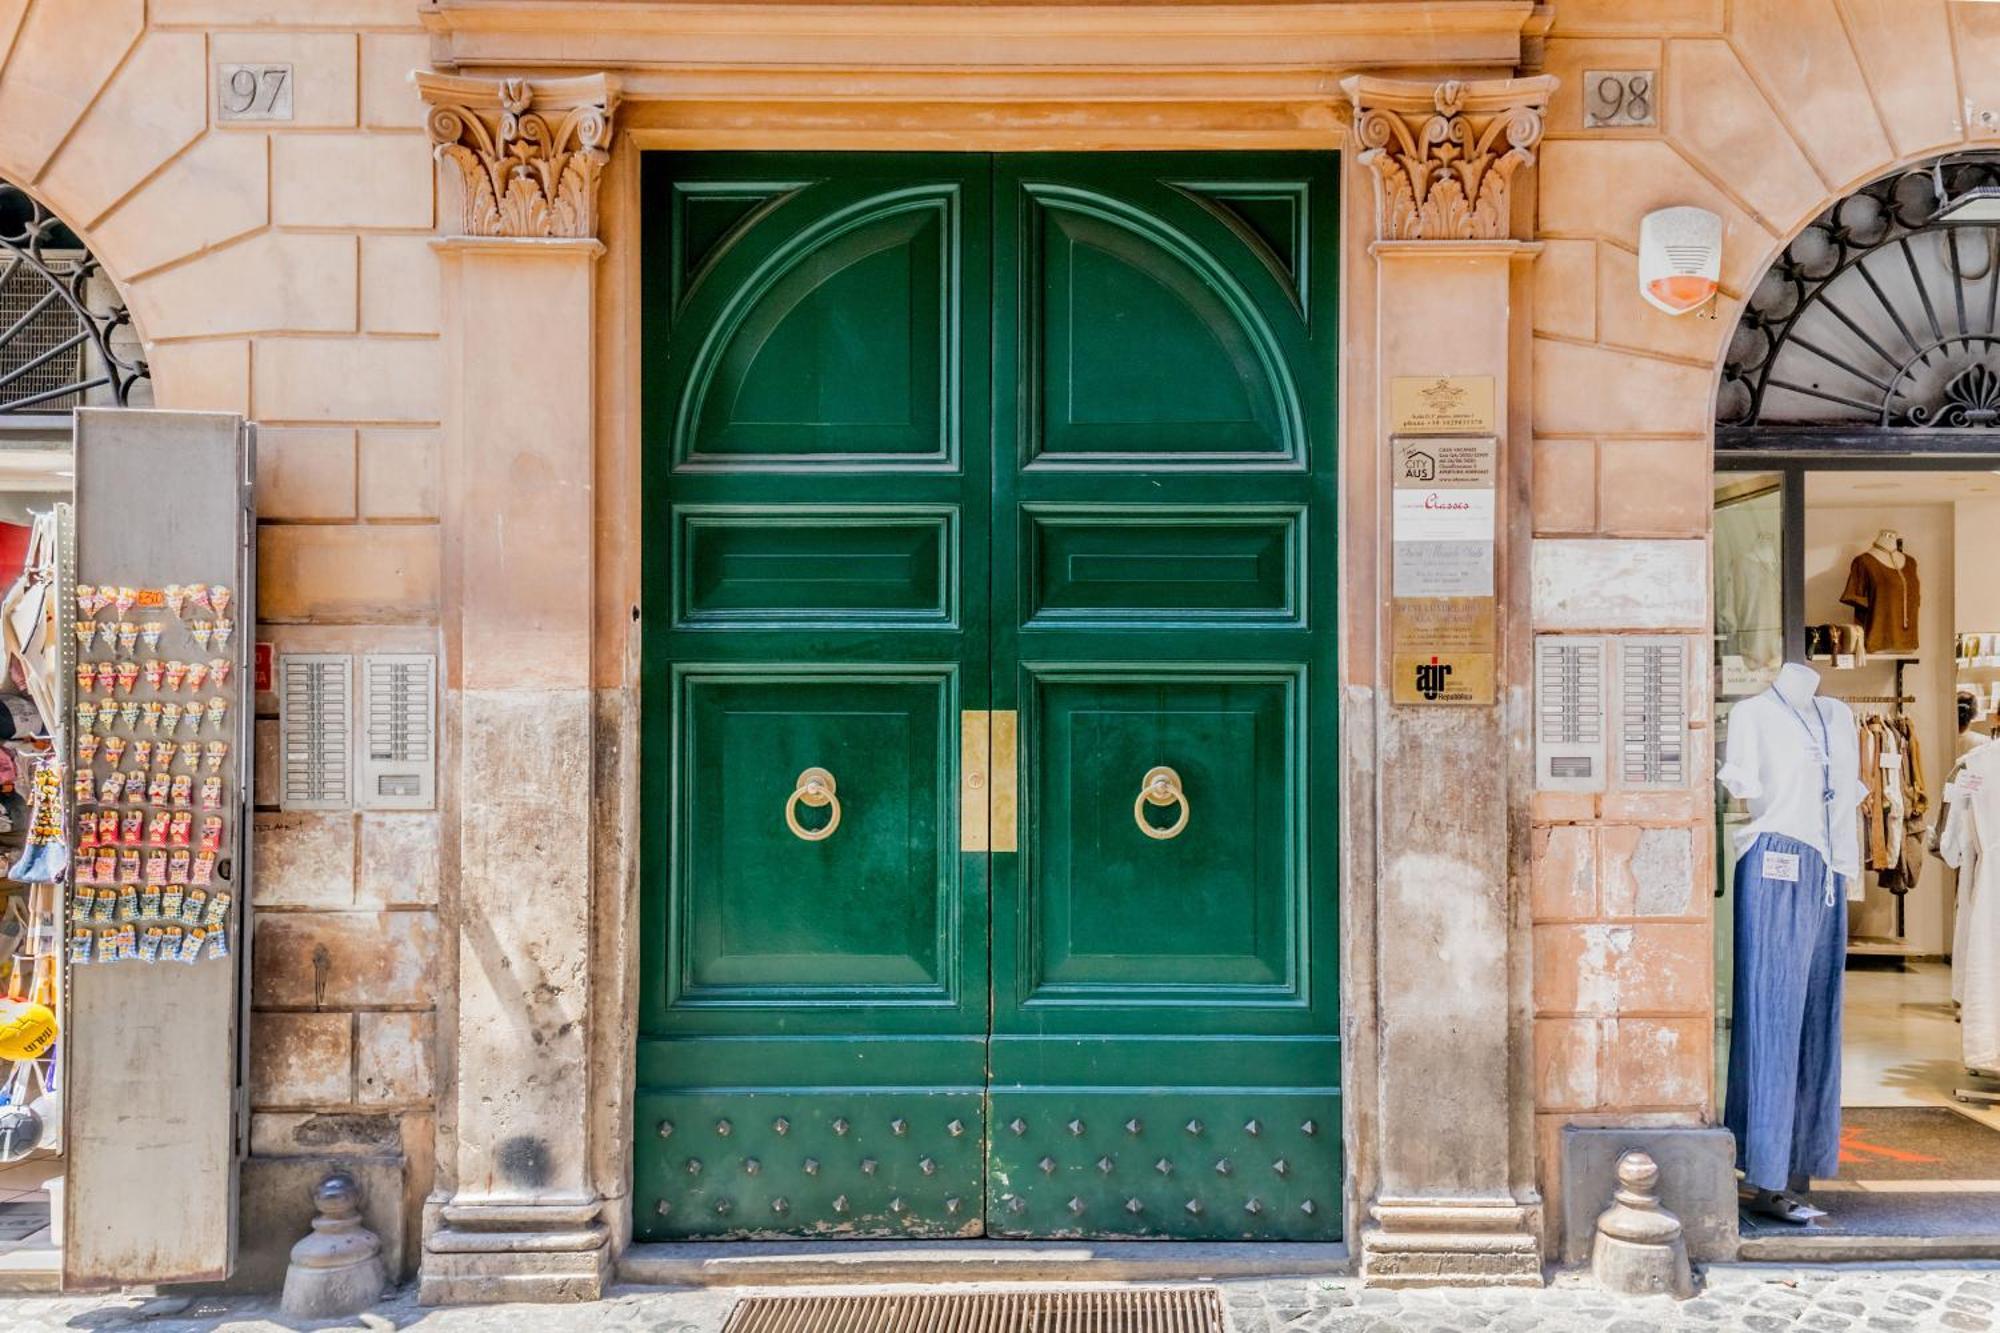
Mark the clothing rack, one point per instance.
(1898, 699)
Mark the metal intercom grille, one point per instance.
(1150, 1310)
(399, 761)
(45, 350)
(315, 726)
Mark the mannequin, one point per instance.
(1882, 587)
(1794, 759)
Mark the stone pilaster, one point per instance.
(517, 1215)
(1449, 1190)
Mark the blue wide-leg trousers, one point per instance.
(1784, 1047)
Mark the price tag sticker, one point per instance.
(1782, 867)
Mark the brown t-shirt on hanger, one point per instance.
(1884, 599)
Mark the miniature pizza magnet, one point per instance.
(125, 599)
(142, 754)
(218, 713)
(165, 752)
(128, 676)
(107, 677)
(149, 713)
(149, 635)
(198, 594)
(223, 630)
(107, 633)
(177, 673)
(86, 600)
(196, 673)
(220, 668)
(86, 677)
(191, 718)
(85, 631)
(114, 749)
(217, 752)
(154, 670)
(170, 717)
(203, 631)
(86, 745)
(176, 597)
(128, 637)
(86, 715)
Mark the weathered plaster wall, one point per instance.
(284, 271)
(1769, 109)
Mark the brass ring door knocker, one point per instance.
(816, 787)
(1161, 787)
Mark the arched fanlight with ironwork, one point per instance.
(1884, 313)
(66, 338)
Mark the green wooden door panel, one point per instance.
(1114, 915)
(814, 566)
(936, 433)
(1152, 564)
(817, 500)
(1141, 341)
(867, 295)
(1165, 354)
(869, 913)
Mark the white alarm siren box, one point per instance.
(1680, 258)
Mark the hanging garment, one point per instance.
(1970, 842)
(1777, 756)
(1874, 812)
(28, 625)
(1784, 1046)
(1885, 601)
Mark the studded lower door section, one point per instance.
(829, 1163)
(1160, 1165)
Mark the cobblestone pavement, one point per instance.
(1874, 1299)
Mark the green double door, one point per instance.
(990, 748)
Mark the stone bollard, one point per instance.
(1639, 1249)
(337, 1269)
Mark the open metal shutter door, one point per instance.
(153, 1062)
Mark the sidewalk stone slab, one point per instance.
(1882, 1299)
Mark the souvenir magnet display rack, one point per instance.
(157, 686)
(158, 619)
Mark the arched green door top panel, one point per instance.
(866, 294)
(1151, 332)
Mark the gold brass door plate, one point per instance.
(986, 794)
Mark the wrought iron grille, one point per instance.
(1879, 314)
(65, 336)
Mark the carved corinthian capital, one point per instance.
(528, 151)
(1444, 154)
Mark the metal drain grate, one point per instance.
(1152, 1310)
